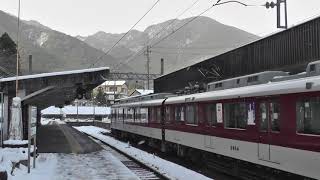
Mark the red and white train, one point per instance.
(258, 131)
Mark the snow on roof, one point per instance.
(112, 83)
(60, 73)
(82, 110)
(144, 91)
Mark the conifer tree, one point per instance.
(7, 45)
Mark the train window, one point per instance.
(264, 114)
(153, 114)
(168, 114)
(144, 115)
(252, 79)
(275, 116)
(158, 115)
(270, 116)
(218, 85)
(211, 114)
(179, 113)
(236, 115)
(137, 115)
(191, 114)
(308, 116)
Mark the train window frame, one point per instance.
(158, 115)
(269, 104)
(218, 85)
(144, 117)
(252, 79)
(304, 100)
(225, 116)
(169, 114)
(195, 114)
(206, 114)
(272, 115)
(181, 110)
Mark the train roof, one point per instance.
(154, 102)
(308, 84)
(271, 88)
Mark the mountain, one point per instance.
(55, 51)
(196, 41)
(51, 50)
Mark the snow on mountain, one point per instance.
(201, 38)
(51, 50)
(43, 38)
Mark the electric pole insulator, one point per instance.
(270, 5)
(267, 5)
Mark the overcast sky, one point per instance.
(85, 17)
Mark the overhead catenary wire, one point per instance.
(195, 17)
(106, 53)
(141, 51)
(173, 21)
(191, 20)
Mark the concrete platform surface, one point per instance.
(62, 138)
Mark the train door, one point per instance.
(269, 113)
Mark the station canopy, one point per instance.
(56, 88)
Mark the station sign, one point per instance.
(33, 120)
(219, 113)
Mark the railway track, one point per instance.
(142, 171)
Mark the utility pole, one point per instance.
(147, 53)
(279, 4)
(30, 64)
(17, 63)
(162, 66)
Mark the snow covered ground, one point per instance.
(99, 165)
(167, 168)
(8, 156)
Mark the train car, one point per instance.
(263, 131)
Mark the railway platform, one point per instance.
(62, 138)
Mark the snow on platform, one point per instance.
(94, 166)
(8, 156)
(164, 167)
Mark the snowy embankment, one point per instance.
(164, 167)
